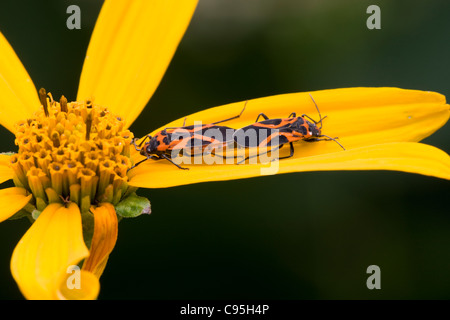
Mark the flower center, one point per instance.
(72, 151)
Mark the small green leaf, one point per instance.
(35, 214)
(10, 153)
(133, 206)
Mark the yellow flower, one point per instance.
(71, 172)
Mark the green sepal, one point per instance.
(75, 193)
(24, 212)
(53, 196)
(20, 214)
(40, 204)
(133, 206)
(85, 203)
(88, 227)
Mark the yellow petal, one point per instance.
(12, 200)
(104, 239)
(360, 117)
(130, 50)
(6, 173)
(18, 96)
(401, 156)
(52, 244)
(89, 286)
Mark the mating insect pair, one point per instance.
(197, 139)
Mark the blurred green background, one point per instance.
(293, 236)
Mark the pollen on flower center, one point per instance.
(72, 151)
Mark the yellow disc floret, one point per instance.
(75, 151)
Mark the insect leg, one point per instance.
(262, 115)
(209, 150)
(292, 152)
(184, 123)
(138, 163)
(153, 157)
(257, 155)
(170, 160)
(235, 117)
(316, 122)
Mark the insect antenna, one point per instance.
(332, 139)
(133, 142)
(320, 115)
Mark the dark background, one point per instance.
(293, 236)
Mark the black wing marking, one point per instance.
(253, 136)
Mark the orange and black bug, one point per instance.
(274, 133)
(192, 140)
